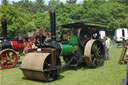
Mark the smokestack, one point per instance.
(53, 24)
(4, 27)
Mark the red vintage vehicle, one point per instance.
(10, 48)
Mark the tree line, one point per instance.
(27, 16)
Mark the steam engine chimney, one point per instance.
(4, 28)
(53, 24)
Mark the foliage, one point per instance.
(28, 16)
(66, 12)
(114, 14)
(42, 20)
(17, 19)
(4, 2)
(71, 1)
(53, 4)
(39, 6)
(26, 4)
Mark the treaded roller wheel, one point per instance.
(37, 66)
(94, 53)
(8, 58)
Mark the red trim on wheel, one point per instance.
(8, 58)
(41, 30)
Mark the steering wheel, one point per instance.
(43, 33)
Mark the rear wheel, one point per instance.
(94, 53)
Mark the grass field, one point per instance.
(111, 73)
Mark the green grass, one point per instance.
(111, 73)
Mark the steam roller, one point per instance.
(10, 49)
(42, 64)
(84, 37)
(78, 45)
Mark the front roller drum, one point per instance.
(8, 58)
(94, 53)
(37, 66)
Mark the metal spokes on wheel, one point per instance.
(71, 60)
(51, 72)
(8, 58)
(94, 53)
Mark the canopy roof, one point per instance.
(82, 24)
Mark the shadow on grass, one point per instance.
(81, 66)
(66, 68)
(63, 69)
(18, 64)
(41, 81)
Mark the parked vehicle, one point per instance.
(11, 49)
(121, 34)
(79, 45)
(102, 34)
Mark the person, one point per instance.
(107, 45)
(26, 47)
(103, 42)
(114, 41)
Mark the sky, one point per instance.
(46, 1)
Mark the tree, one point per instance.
(28, 16)
(71, 1)
(125, 2)
(39, 6)
(112, 13)
(18, 18)
(26, 4)
(42, 20)
(4, 2)
(53, 4)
